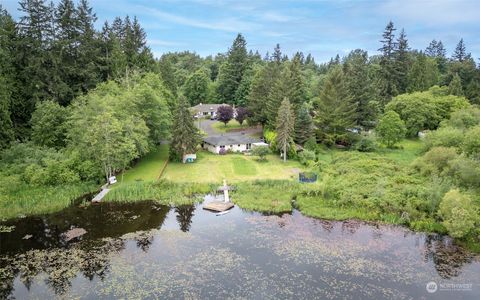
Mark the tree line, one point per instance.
(53, 52)
(60, 78)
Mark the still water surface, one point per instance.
(146, 250)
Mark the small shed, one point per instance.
(189, 158)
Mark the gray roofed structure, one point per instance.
(229, 139)
(206, 107)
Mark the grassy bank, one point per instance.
(163, 192)
(28, 200)
(148, 168)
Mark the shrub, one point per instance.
(465, 171)
(471, 143)
(366, 144)
(261, 152)
(464, 118)
(458, 213)
(446, 137)
(271, 139)
(436, 160)
(306, 157)
(222, 151)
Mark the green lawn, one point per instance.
(210, 168)
(407, 151)
(232, 125)
(148, 168)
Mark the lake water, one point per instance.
(145, 250)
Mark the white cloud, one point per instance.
(230, 24)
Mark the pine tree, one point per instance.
(7, 76)
(298, 93)
(89, 49)
(431, 50)
(241, 95)
(6, 125)
(460, 54)
(303, 125)
(185, 136)
(402, 62)
(388, 73)
(231, 72)
(335, 113)
(285, 127)
(260, 90)
(361, 88)
(281, 89)
(455, 86)
(168, 75)
(277, 54)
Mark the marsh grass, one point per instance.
(27, 200)
(273, 196)
(163, 192)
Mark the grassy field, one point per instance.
(232, 125)
(212, 168)
(148, 168)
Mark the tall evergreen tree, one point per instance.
(361, 88)
(241, 95)
(185, 136)
(388, 72)
(285, 127)
(431, 49)
(335, 113)
(260, 90)
(402, 62)
(7, 76)
(231, 73)
(460, 54)
(277, 54)
(298, 93)
(281, 89)
(304, 128)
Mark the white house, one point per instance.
(230, 142)
(204, 110)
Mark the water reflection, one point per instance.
(100, 221)
(132, 238)
(449, 259)
(184, 216)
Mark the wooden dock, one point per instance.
(100, 195)
(218, 206)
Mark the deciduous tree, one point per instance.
(391, 129)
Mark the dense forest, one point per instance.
(78, 104)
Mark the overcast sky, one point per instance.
(320, 27)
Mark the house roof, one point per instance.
(229, 139)
(205, 107)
